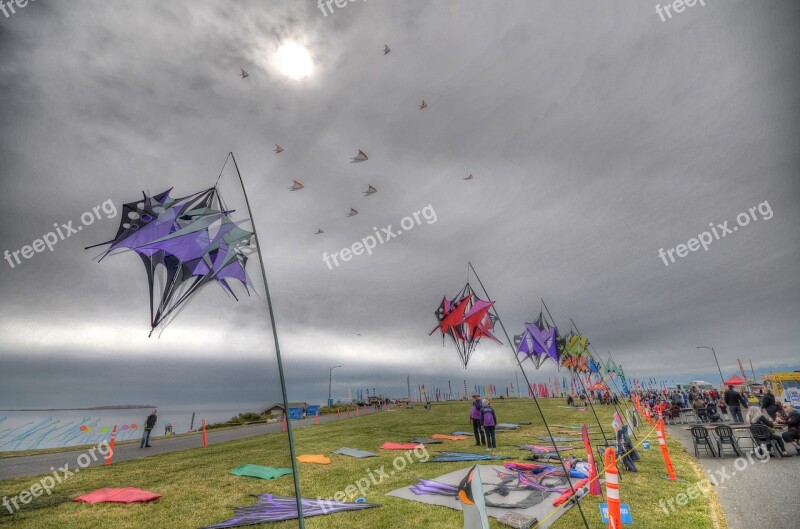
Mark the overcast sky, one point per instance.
(597, 134)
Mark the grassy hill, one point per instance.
(197, 489)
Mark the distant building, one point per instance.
(277, 408)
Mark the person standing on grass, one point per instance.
(149, 424)
(475, 417)
(734, 401)
(488, 421)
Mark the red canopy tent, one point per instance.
(735, 380)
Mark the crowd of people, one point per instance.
(741, 406)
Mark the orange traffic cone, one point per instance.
(284, 422)
(205, 436)
(662, 441)
(111, 445)
(338, 413)
(316, 419)
(612, 490)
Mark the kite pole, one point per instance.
(610, 357)
(627, 410)
(535, 399)
(298, 498)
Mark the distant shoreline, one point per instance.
(118, 407)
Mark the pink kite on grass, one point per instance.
(124, 495)
(400, 446)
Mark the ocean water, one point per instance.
(26, 430)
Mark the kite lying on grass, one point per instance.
(453, 457)
(449, 437)
(123, 495)
(545, 449)
(258, 471)
(353, 452)
(401, 446)
(185, 244)
(424, 441)
(269, 508)
(318, 459)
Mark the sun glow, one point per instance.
(294, 60)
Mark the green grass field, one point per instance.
(197, 489)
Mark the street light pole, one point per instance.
(330, 381)
(721, 378)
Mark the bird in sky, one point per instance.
(244, 73)
(386, 49)
(278, 149)
(370, 191)
(319, 231)
(296, 186)
(470, 177)
(352, 213)
(424, 105)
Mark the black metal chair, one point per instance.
(761, 435)
(725, 437)
(700, 438)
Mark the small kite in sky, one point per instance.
(424, 105)
(360, 157)
(470, 177)
(352, 213)
(319, 231)
(244, 73)
(386, 49)
(296, 185)
(278, 149)
(370, 191)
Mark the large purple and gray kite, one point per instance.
(185, 244)
(539, 341)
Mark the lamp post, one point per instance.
(330, 380)
(721, 378)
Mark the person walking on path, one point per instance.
(734, 401)
(149, 424)
(475, 417)
(489, 421)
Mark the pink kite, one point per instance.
(124, 495)
(400, 446)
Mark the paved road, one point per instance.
(753, 494)
(36, 465)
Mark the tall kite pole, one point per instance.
(533, 394)
(277, 352)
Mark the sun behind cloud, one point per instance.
(294, 60)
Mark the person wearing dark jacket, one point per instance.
(488, 421)
(768, 404)
(734, 401)
(792, 433)
(149, 424)
(475, 417)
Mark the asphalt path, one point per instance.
(40, 464)
(753, 492)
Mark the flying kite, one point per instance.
(278, 149)
(185, 244)
(370, 191)
(470, 177)
(386, 49)
(352, 213)
(424, 105)
(244, 73)
(296, 185)
(466, 320)
(360, 157)
(539, 341)
(319, 231)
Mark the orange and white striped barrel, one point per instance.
(205, 436)
(662, 442)
(111, 445)
(612, 490)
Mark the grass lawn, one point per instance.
(197, 489)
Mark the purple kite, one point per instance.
(539, 341)
(269, 508)
(185, 244)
